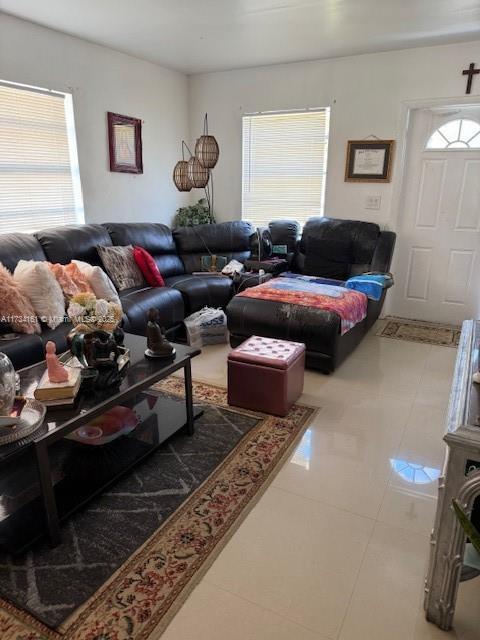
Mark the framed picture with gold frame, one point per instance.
(369, 160)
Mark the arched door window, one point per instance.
(456, 134)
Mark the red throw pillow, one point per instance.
(148, 267)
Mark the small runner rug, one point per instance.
(443, 335)
(218, 479)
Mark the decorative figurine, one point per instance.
(119, 333)
(56, 371)
(101, 352)
(157, 343)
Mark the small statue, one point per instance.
(101, 353)
(119, 334)
(157, 343)
(56, 371)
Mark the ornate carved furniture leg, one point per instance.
(448, 545)
(460, 480)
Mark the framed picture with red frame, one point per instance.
(125, 143)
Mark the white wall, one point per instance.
(103, 80)
(365, 93)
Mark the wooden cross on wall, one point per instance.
(470, 72)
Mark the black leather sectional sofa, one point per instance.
(328, 248)
(176, 253)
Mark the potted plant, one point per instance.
(194, 214)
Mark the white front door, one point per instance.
(437, 261)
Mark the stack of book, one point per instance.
(58, 393)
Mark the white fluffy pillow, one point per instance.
(101, 284)
(39, 284)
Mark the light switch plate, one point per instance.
(373, 202)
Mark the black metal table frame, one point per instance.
(42, 444)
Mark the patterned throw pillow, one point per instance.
(120, 265)
(16, 308)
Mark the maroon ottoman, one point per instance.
(265, 374)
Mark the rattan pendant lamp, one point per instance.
(195, 172)
(180, 173)
(206, 148)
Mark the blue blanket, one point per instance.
(371, 285)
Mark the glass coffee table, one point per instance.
(80, 450)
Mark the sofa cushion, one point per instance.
(229, 239)
(23, 351)
(137, 301)
(202, 291)
(63, 244)
(335, 248)
(319, 330)
(19, 246)
(155, 238)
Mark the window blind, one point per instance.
(39, 178)
(284, 165)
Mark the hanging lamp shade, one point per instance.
(207, 151)
(180, 176)
(197, 174)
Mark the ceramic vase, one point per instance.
(7, 385)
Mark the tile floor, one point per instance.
(337, 547)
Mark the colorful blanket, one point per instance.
(305, 291)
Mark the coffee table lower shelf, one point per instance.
(81, 471)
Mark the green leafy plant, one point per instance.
(469, 528)
(195, 214)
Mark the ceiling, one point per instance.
(209, 35)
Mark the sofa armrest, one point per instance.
(382, 256)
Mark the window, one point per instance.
(284, 165)
(457, 134)
(39, 177)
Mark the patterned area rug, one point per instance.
(443, 335)
(196, 518)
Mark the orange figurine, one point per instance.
(56, 371)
